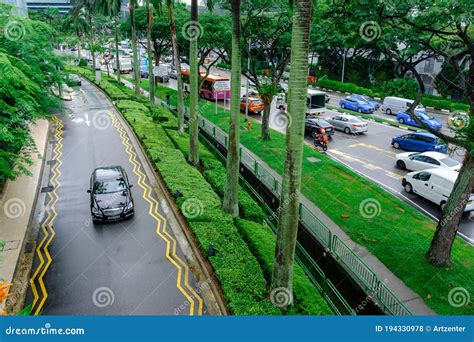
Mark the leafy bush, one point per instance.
(307, 299)
(82, 62)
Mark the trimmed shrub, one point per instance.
(260, 238)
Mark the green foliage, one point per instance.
(261, 239)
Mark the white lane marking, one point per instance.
(88, 123)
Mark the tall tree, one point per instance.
(193, 36)
(88, 8)
(231, 202)
(111, 8)
(177, 65)
(288, 217)
(151, 78)
(79, 25)
(136, 71)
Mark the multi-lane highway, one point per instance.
(131, 267)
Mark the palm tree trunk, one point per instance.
(136, 72)
(117, 55)
(193, 85)
(92, 41)
(177, 65)
(151, 78)
(282, 277)
(265, 133)
(230, 202)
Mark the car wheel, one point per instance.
(408, 188)
(343, 106)
(442, 205)
(359, 110)
(396, 144)
(401, 165)
(388, 111)
(401, 120)
(347, 130)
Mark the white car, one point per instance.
(415, 161)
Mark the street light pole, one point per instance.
(343, 65)
(247, 86)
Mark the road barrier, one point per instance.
(378, 290)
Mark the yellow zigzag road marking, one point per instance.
(161, 223)
(48, 224)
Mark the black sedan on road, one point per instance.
(110, 194)
(311, 125)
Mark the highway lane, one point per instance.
(120, 268)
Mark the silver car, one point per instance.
(349, 124)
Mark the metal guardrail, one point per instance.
(353, 264)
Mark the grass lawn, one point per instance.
(399, 236)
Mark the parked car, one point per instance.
(348, 123)
(73, 80)
(356, 105)
(322, 125)
(144, 71)
(110, 194)
(173, 73)
(374, 103)
(435, 185)
(427, 119)
(416, 161)
(392, 105)
(256, 105)
(419, 142)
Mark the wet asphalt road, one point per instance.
(118, 268)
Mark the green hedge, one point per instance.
(261, 240)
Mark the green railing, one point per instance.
(353, 264)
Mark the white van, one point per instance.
(435, 185)
(392, 105)
(162, 72)
(126, 66)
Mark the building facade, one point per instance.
(63, 6)
(19, 7)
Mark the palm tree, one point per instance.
(151, 78)
(111, 8)
(177, 65)
(136, 71)
(87, 8)
(193, 85)
(79, 25)
(231, 202)
(282, 277)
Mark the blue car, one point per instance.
(356, 105)
(374, 103)
(427, 119)
(419, 142)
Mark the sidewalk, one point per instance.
(410, 298)
(17, 204)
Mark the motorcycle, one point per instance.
(321, 141)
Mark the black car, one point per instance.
(111, 198)
(322, 125)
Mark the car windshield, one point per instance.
(449, 161)
(256, 102)
(355, 120)
(425, 116)
(109, 186)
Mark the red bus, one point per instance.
(214, 87)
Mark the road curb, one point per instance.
(200, 267)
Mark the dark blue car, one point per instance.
(374, 103)
(356, 105)
(427, 119)
(419, 142)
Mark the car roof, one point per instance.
(347, 116)
(444, 173)
(434, 155)
(426, 134)
(108, 171)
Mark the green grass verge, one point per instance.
(398, 236)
